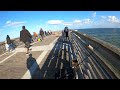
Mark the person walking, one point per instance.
(25, 37)
(10, 44)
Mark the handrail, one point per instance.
(108, 53)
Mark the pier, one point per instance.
(95, 59)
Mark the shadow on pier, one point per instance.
(59, 57)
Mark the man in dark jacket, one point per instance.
(25, 37)
(41, 33)
(66, 30)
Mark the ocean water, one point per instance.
(110, 35)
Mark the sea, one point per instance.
(109, 35)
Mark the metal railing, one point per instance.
(105, 56)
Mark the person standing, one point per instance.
(41, 33)
(25, 37)
(66, 30)
(35, 36)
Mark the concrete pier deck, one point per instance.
(50, 55)
(40, 64)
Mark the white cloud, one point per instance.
(55, 22)
(8, 22)
(113, 19)
(101, 22)
(94, 14)
(67, 23)
(13, 24)
(82, 22)
(77, 21)
(86, 21)
(103, 17)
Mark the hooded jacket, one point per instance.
(25, 35)
(8, 40)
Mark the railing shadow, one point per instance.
(57, 59)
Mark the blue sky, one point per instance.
(12, 21)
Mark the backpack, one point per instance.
(39, 39)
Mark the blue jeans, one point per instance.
(11, 47)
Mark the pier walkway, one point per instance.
(50, 55)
